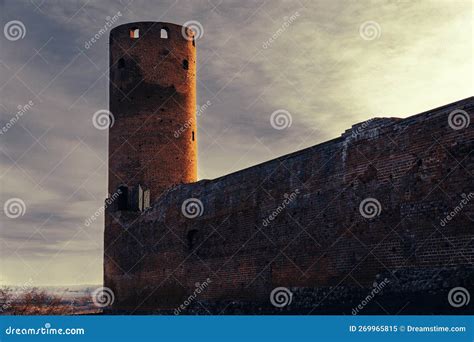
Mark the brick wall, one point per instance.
(295, 222)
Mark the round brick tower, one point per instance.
(152, 142)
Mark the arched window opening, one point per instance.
(134, 33)
(121, 63)
(185, 64)
(193, 135)
(164, 33)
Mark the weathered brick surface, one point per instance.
(319, 245)
(152, 96)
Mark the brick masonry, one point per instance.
(296, 222)
(152, 95)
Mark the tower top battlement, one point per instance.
(154, 52)
(148, 25)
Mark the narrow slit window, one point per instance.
(185, 64)
(193, 135)
(122, 201)
(121, 63)
(191, 237)
(164, 33)
(134, 33)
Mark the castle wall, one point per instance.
(318, 244)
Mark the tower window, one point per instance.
(185, 64)
(193, 135)
(134, 33)
(191, 236)
(164, 33)
(121, 63)
(122, 201)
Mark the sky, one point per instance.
(323, 65)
